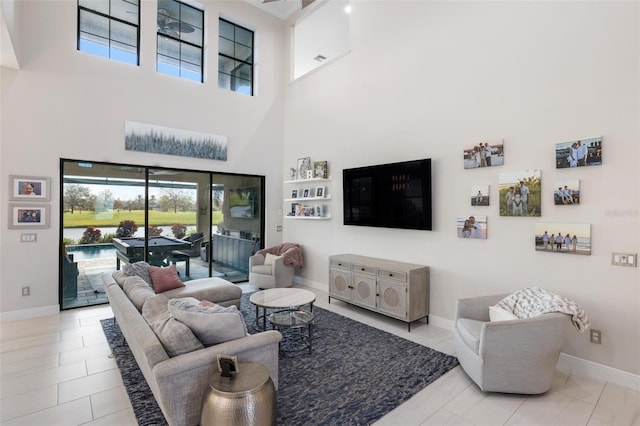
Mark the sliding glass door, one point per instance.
(206, 224)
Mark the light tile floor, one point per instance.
(56, 370)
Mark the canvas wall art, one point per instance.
(567, 238)
(484, 154)
(164, 140)
(579, 153)
(480, 195)
(566, 192)
(472, 227)
(520, 193)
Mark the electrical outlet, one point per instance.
(624, 259)
(26, 291)
(596, 336)
(279, 228)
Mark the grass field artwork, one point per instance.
(520, 193)
(567, 238)
(168, 141)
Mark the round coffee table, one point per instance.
(280, 298)
(296, 325)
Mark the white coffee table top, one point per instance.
(282, 298)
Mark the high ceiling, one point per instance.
(283, 9)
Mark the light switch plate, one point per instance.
(28, 237)
(624, 259)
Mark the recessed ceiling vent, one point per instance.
(320, 58)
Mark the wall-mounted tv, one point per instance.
(396, 195)
(242, 202)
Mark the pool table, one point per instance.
(132, 249)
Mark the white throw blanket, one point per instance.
(534, 301)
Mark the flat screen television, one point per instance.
(396, 195)
(242, 202)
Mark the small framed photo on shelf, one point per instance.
(294, 193)
(303, 165)
(320, 191)
(306, 192)
(28, 216)
(29, 188)
(320, 170)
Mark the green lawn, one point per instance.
(113, 218)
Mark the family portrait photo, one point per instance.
(472, 227)
(484, 154)
(29, 188)
(579, 153)
(28, 216)
(566, 192)
(520, 193)
(480, 195)
(568, 238)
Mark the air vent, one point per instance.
(320, 58)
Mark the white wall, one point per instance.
(68, 104)
(423, 80)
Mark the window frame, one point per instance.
(181, 43)
(111, 19)
(251, 64)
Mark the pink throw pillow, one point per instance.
(165, 279)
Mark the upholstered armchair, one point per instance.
(510, 356)
(275, 266)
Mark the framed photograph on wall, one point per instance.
(519, 193)
(306, 193)
(480, 195)
(29, 188)
(484, 154)
(320, 191)
(566, 192)
(320, 169)
(472, 227)
(294, 193)
(567, 238)
(28, 216)
(579, 153)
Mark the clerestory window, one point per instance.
(235, 60)
(110, 28)
(180, 40)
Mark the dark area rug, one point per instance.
(355, 375)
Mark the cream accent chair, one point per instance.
(513, 356)
(277, 272)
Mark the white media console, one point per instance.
(396, 289)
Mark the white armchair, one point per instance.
(513, 356)
(279, 269)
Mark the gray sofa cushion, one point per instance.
(469, 331)
(215, 290)
(176, 338)
(137, 290)
(211, 325)
(140, 269)
(119, 277)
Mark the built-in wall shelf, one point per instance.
(328, 197)
(327, 217)
(308, 180)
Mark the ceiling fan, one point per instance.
(171, 26)
(304, 3)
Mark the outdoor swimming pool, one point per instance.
(92, 251)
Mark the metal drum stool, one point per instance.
(248, 397)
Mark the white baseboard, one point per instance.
(586, 368)
(22, 314)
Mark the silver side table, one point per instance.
(248, 397)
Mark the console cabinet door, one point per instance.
(339, 283)
(364, 290)
(392, 298)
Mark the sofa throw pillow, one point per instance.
(176, 338)
(211, 325)
(119, 277)
(499, 314)
(270, 258)
(137, 290)
(140, 269)
(164, 279)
